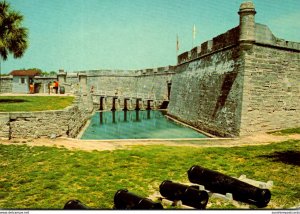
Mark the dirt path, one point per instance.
(90, 145)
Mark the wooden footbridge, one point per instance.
(127, 98)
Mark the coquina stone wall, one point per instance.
(66, 122)
(271, 92)
(112, 82)
(147, 83)
(6, 84)
(132, 82)
(155, 84)
(206, 93)
(242, 82)
(4, 126)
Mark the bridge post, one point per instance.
(101, 117)
(148, 114)
(137, 106)
(113, 116)
(113, 108)
(137, 115)
(101, 103)
(125, 115)
(148, 105)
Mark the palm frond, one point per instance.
(15, 18)
(13, 37)
(3, 53)
(4, 7)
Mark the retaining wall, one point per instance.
(66, 122)
(6, 84)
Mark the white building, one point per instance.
(22, 80)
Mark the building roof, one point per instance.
(30, 73)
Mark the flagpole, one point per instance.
(193, 38)
(177, 48)
(194, 35)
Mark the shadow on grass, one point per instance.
(287, 157)
(12, 101)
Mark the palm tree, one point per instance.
(13, 37)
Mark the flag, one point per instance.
(177, 44)
(194, 32)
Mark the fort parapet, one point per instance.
(241, 82)
(260, 35)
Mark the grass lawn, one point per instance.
(47, 177)
(33, 103)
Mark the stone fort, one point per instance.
(241, 82)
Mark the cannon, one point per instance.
(220, 183)
(188, 195)
(125, 200)
(75, 205)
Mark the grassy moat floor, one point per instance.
(34, 103)
(45, 177)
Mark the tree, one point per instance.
(13, 37)
(49, 73)
(52, 73)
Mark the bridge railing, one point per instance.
(134, 95)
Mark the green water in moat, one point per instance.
(136, 125)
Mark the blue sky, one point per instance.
(133, 34)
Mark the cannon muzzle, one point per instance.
(125, 200)
(220, 183)
(189, 195)
(75, 205)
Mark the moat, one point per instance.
(136, 125)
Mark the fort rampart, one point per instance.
(241, 82)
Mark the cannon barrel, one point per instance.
(125, 200)
(188, 195)
(75, 205)
(220, 183)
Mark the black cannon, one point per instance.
(220, 183)
(188, 195)
(125, 200)
(75, 205)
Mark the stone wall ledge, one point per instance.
(293, 49)
(209, 54)
(218, 43)
(146, 73)
(289, 48)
